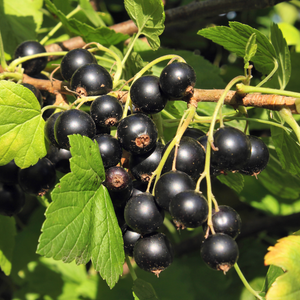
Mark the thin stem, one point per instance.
(171, 228)
(53, 106)
(270, 75)
(159, 125)
(130, 48)
(246, 283)
(2, 54)
(287, 116)
(131, 269)
(58, 25)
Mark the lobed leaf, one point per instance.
(21, 126)
(81, 223)
(233, 180)
(143, 290)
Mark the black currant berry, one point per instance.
(106, 111)
(153, 253)
(142, 166)
(147, 96)
(220, 252)
(188, 209)
(119, 185)
(110, 149)
(9, 173)
(194, 133)
(73, 121)
(234, 149)
(73, 60)
(60, 158)
(35, 65)
(169, 185)
(142, 214)
(190, 157)
(49, 129)
(12, 199)
(137, 133)
(35, 91)
(130, 237)
(259, 157)
(91, 80)
(39, 178)
(177, 80)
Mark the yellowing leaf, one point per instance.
(285, 254)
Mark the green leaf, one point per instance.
(7, 243)
(21, 126)
(271, 276)
(91, 13)
(250, 50)
(80, 222)
(235, 38)
(149, 17)
(285, 254)
(283, 56)
(143, 290)
(233, 180)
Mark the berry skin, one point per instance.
(147, 96)
(130, 237)
(142, 214)
(73, 60)
(106, 111)
(35, 91)
(177, 80)
(49, 129)
(60, 158)
(35, 65)
(137, 133)
(169, 185)
(73, 121)
(9, 173)
(39, 178)
(220, 252)
(194, 133)
(153, 253)
(259, 157)
(188, 209)
(12, 199)
(91, 80)
(234, 149)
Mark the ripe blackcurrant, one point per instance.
(60, 158)
(220, 251)
(91, 80)
(9, 173)
(39, 178)
(153, 253)
(259, 157)
(188, 209)
(234, 149)
(35, 65)
(130, 237)
(194, 133)
(73, 60)
(49, 129)
(106, 111)
(147, 96)
(35, 91)
(12, 199)
(137, 133)
(142, 214)
(110, 149)
(73, 121)
(177, 80)
(169, 185)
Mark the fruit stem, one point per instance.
(58, 25)
(287, 116)
(53, 106)
(171, 228)
(131, 269)
(2, 54)
(271, 73)
(159, 125)
(246, 283)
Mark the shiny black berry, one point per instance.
(60, 158)
(35, 65)
(142, 214)
(169, 185)
(220, 251)
(188, 209)
(91, 80)
(73, 121)
(35, 91)
(259, 157)
(39, 178)
(73, 60)
(12, 199)
(49, 129)
(194, 133)
(130, 237)
(177, 80)
(137, 133)
(106, 111)
(9, 173)
(153, 253)
(147, 96)
(234, 149)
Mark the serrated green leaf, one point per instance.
(21, 126)
(144, 290)
(233, 180)
(91, 13)
(235, 38)
(149, 17)
(80, 222)
(271, 276)
(251, 48)
(282, 55)
(7, 243)
(285, 254)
